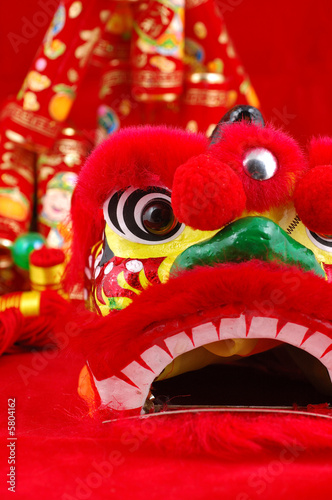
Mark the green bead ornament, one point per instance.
(23, 246)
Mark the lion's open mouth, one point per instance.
(227, 310)
(282, 377)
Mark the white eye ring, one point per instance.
(123, 212)
(260, 164)
(322, 242)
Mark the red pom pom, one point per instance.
(313, 200)
(47, 257)
(207, 194)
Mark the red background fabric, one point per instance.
(286, 49)
(63, 454)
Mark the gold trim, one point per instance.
(156, 97)
(30, 303)
(10, 300)
(206, 97)
(68, 131)
(116, 77)
(41, 288)
(34, 122)
(190, 4)
(77, 146)
(27, 302)
(213, 78)
(46, 276)
(6, 243)
(15, 137)
(150, 79)
(6, 259)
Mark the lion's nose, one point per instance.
(207, 194)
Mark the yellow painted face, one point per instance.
(289, 221)
(142, 240)
(139, 251)
(168, 251)
(253, 291)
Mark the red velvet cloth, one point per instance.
(63, 454)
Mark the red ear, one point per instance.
(313, 195)
(207, 194)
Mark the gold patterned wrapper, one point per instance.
(115, 41)
(207, 96)
(157, 50)
(57, 174)
(116, 105)
(16, 194)
(34, 119)
(209, 49)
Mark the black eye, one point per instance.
(158, 217)
(142, 216)
(260, 164)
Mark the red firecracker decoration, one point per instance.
(148, 62)
(157, 50)
(57, 173)
(49, 89)
(16, 194)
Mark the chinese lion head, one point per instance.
(198, 252)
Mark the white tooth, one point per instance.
(119, 395)
(156, 358)
(88, 273)
(204, 334)
(233, 328)
(90, 260)
(316, 344)
(138, 374)
(292, 334)
(178, 344)
(262, 327)
(97, 272)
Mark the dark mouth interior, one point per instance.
(278, 377)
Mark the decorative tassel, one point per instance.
(46, 269)
(16, 193)
(27, 319)
(49, 90)
(11, 323)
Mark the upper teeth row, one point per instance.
(117, 394)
